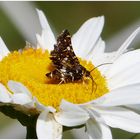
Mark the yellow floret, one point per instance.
(30, 66)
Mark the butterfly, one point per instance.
(67, 66)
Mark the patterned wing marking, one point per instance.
(67, 66)
(63, 55)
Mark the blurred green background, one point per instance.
(70, 15)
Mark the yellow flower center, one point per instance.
(30, 67)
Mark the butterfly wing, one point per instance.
(63, 56)
(67, 66)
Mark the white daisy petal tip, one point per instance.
(93, 20)
(102, 18)
(47, 127)
(42, 19)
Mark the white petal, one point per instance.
(135, 108)
(43, 20)
(113, 56)
(105, 58)
(40, 42)
(38, 105)
(3, 49)
(98, 56)
(47, 127)
(86, 37)
(99, 47)
(97, 52)
(47, 39)
(71, 114)
(22, 99)
(122, 118)
(4, 94)
(126, 77)
(17, 87)
(121, 96)
(126, 44)
(96, 130)
(124, 62)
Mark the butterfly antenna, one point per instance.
(93, 81)
(100, 66)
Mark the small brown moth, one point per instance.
(67, 66)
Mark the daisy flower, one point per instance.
(25, 88)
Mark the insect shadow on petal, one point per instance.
(66, 64)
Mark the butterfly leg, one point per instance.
(62, 80)
(84, 83)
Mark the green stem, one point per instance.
(31, 132)
(31, 127)
(134, 136)
(27, 118)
